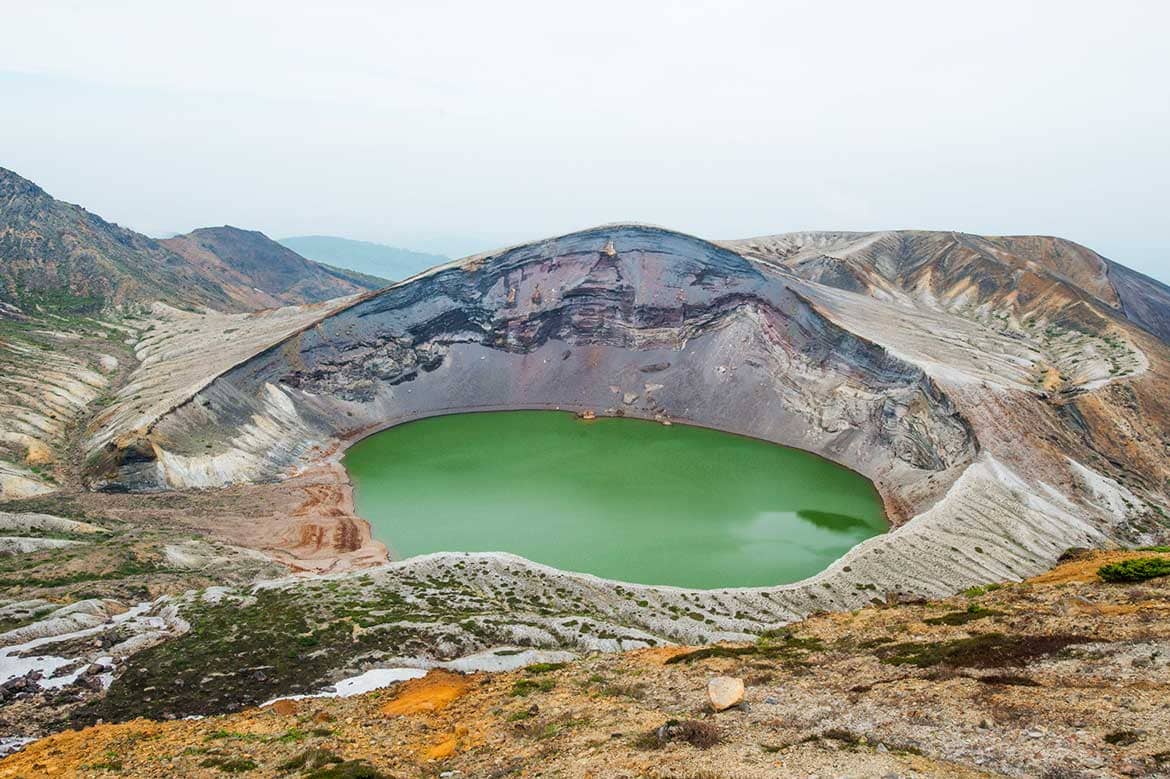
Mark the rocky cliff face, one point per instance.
(626, 320)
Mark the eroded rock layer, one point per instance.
(955, 403)
(628, 320)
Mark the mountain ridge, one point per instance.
(57, 256)
(262, 272)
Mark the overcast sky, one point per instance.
(455, 126)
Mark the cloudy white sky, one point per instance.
(454, 126)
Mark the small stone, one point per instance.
(986, 724)
(772, 700)
(724, 692)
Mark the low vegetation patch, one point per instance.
(971, 613)
(350, 769)
(543, 668)
(522, 688)
(1123, 738)
(310, 760)
(1136, 570)
(774, 645)
(987, 650)
(712, 651)
(1010, 680)
(697, 733)
(230, 765)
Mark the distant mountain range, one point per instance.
(375, 259)
(56, 257)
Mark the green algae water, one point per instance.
(619, 498)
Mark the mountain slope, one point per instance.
(260, 272)
(375, 259)
(58, 257)
(1144, 300)
(1014, 277)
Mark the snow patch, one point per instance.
(374, 679)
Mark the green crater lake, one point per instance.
(619, 498)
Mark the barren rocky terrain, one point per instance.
(177, 537)
(1060, 675)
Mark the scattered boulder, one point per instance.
(724, 692)
(20, 686)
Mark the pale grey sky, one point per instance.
(454, 126)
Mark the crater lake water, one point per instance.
(620, 498)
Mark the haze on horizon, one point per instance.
(456, 126)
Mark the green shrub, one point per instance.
(310, 760)
(973, 612)
(350, 769)
(230, 765)
(523, 687)
(1136, 570)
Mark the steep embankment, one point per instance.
(1032, 318)
(1143, 299)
